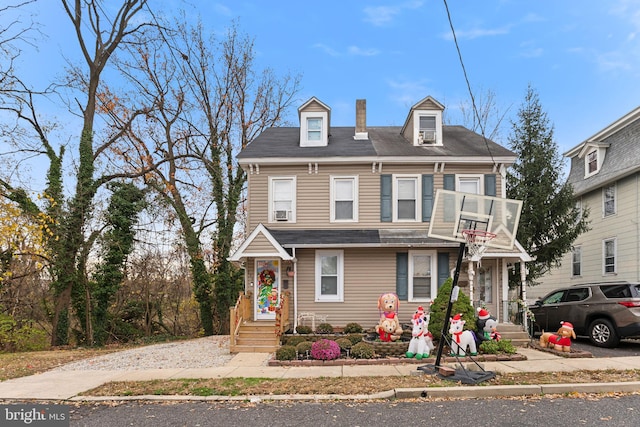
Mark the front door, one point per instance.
(485, 289)
(267, 288)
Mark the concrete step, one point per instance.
(515, 333)
(253, 348)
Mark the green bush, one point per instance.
(324, 328)
(294, 340)
(439, 309)
(362, 350)
(344, 343)
(354, 338)
(286, 352)
(353, 328)
(20, 338)
(304, 348)
(301, 329)
(497, 347)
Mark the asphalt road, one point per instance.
(625, 348)
(522, 412)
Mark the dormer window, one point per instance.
(427, 130)
(314, 123)
(423, 126)
(314, 129)
(592, 162)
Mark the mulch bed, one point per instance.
(397, 360)
(571, 354)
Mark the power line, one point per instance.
(466, 78)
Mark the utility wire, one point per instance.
(466, 78)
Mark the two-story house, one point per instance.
(338, 216)
(605, 175)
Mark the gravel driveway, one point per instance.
(204, 352)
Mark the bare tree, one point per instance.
(484, 115)
(210, 102)
(98, 37)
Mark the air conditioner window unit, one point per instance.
(427, 136)
(281, 215)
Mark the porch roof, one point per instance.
(356, 238)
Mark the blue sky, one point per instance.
(582, 57)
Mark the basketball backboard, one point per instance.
(454, 212)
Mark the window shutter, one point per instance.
(386, 211)
(402, 275)
(490, 185)
(449, 182)
(443, 267)
(427, 197)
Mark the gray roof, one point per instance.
(622, 158)
(340, 238)
(283, 142)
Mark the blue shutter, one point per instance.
(449, 203)
(443, 267)
(449, 182)
(427, 197)
(490, 185)
(402, 275)
(386, 211)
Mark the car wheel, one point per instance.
(603, 334)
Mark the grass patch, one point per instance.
(340, 385)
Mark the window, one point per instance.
(469, 184)
(282, 199)
(314, 129)
(609, 200)
(592, 162)
(422, 281)
(344, 198)
(406, 203)
(577, 294)
(576, 261)
(609, 256)
(427, 130)
(485, 288)
(329, 276)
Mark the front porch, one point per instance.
(257, 336)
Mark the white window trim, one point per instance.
(324, 139)
(418, 210)
(416, 126)
(615, 256)
(434, 275)
(318, 282)
(356, 185)
(576, 248)
(271, 215)
(587, 173)
(604, 199)
(479, 177)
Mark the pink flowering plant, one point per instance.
(325, 350)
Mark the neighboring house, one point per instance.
(338, 216)
(605, 175)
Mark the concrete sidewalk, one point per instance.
(66, 385)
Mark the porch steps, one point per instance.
(256, 337)
(515, 333)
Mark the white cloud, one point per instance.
(476, 33)
(355, 50)
(408, 92)
(326, 49)
(383, 15)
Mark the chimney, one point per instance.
(361, 120)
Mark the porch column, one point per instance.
(471, 274)
(505, 290)
(523, 287)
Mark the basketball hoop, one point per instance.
(477, 242)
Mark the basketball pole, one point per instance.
(445, 324)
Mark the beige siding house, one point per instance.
(338, 216)
(605, 175)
